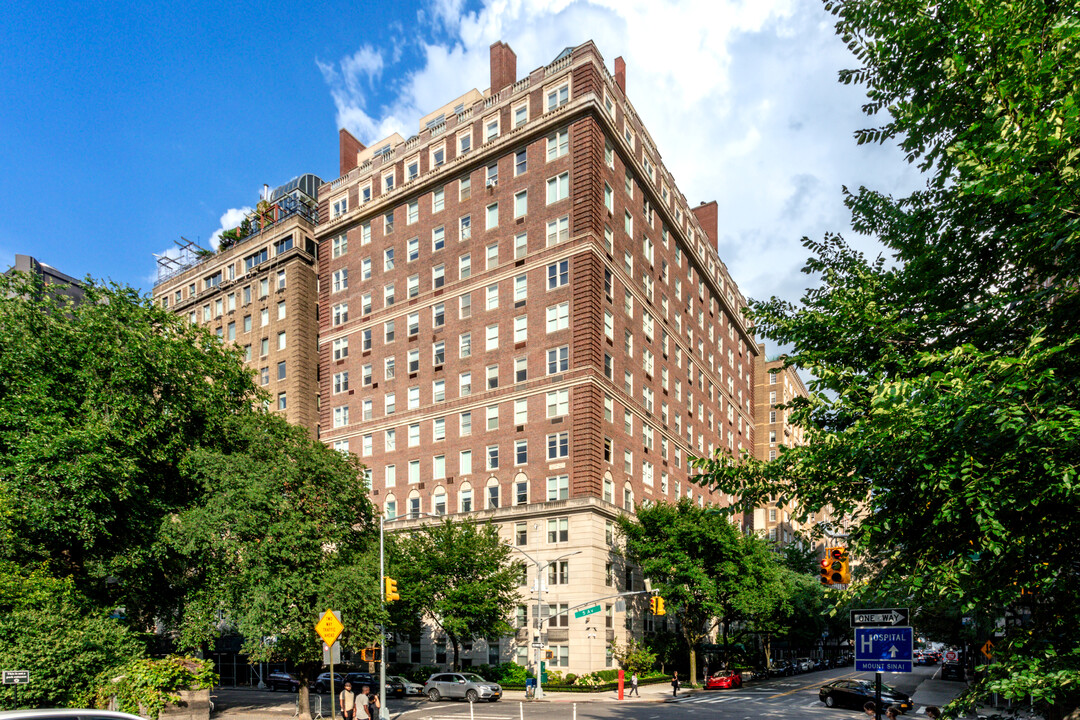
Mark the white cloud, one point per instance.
(740, 97)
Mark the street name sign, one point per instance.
(883, 649)
(880, 617)
(587, 611)
(329, 627)
(16, 677)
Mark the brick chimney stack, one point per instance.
(707, 215)
(348, 148)
(503, 67)
(620, 73)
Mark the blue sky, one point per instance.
(128, 125)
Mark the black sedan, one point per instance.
(952, 671)
(855, 693)
(283, 681)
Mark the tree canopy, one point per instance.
(944, 411)
(143, 486)
(456, 574)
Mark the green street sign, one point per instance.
(587, 611)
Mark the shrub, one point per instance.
(145, 687)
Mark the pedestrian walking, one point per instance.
(870, 708)
(893, 712)
(347, 703)
(372, 705)
(675, 684)
(633, 686)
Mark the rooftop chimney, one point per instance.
(503, 67)
(620, 73)
(707, 217)
(348, 148)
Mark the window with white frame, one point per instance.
(558, 144)
(558, 188)
(558, 403)
(558, 230)
(558, 317)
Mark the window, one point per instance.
(412, 212)
(464, 142)
(492, 496)
(389, 331)
(521, 370)
(365, 339)
(493, 457)
(438, 198)
(609, 198)
(341, 348)
(492, 216)
(413, 321)
(465, 384)
(264, 317)
(521, 452)
(521, 162)
(281, 401)
(341, 278)
(558, 230)
(438, 239)
(558, 530)
(558, 446)
(414, 435)
(464, 266)
(492, 375)
(492, 415)
(465, 345)
(491, 128)
(438, 392)
(414, 361)
(558, 144)
(341, 382)
(341, 416)
(609, 326)
(465, 462)
(414, 478)
(492, 256)
(491, 337)
(413, 250)
(521, 203)
(465, 306)
(281, 280)
(388, 368)
(339, 206)
(280, 310)
(521, 245)
(464, 228)
(558, 317)
(521, 289)
(558, 487)
(558, 274)
(438, 315)
(340, 313)
(491, 301)
(414, 398)
(558, 188)
(558, 403)
(264, 347)
(520, 329)
(558, 96)
(339, 246)
(558, 359)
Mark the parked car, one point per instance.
(822, 664)
(395, 688)
(409, 686)
(952, 671)
(65, 714)
(322, 683)
(359, 680)
(805, 664)
(723, 680)
(467, 686)
(779, 668)
(282, 681)
(855, 694)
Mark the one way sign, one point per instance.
(880, 617)
(883, 649)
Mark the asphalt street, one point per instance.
(789, 697)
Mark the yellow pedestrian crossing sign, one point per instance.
(329, 627)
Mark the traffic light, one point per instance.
(549, 654)
(835, 569)
(390, 586)
(656, 604)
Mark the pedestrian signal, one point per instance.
(391, 589)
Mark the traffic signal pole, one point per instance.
(384, 713)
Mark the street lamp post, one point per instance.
(536, 650)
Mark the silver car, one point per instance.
(468, 686)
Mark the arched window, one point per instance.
(521, 489)
(438, 501)
(465, 498)
(628, 497)
(415, 507)
(390, 507)
(491, 493)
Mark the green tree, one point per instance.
(457, 575)
(710, 575)
(634, 656)
(98, 404)
(945, 409)
(283, 532)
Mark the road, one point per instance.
(779, 698)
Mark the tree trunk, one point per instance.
(454, 642)
(303, 697)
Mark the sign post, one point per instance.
(329, 629)
(16, 678)
(883, 649)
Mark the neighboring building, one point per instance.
(58, 283)
(775, 385)
(260, 292)
(522, 319)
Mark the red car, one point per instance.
(723, 680)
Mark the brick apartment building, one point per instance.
(775, 385)
(522, 319)
(261, 293)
